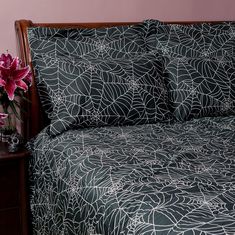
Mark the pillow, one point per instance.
(200, 87)
(196, 40)
(101, 92)
(113, 42)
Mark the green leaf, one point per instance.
(15, 111)
(19, 106)
(26, 99)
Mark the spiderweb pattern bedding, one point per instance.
(147, 179)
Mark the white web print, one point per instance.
(153, 179)
(101, 92)
(100, 184)
(199, 87)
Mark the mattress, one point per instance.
(145, 179)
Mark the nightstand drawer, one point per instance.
(9, 222)
(9, 185)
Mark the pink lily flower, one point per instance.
(2, 82)
(12, 75)
(6, 60)
(28, 78)
(2, 117)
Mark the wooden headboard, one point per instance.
(34, 118)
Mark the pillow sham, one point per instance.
(194, 40)
(91, 93)
(200, 87)
(112, 42)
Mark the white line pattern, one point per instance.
(88, 182)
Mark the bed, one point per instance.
(167, 167)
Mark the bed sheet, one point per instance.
(146, 179)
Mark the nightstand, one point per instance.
(13, 192)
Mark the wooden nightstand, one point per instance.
(13, 192)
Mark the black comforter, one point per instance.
(147, 179)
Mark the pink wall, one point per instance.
(106, 10)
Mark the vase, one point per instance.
(6, 133)
(9, 128)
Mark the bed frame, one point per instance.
(34, 117)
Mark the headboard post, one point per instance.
(32, 117)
